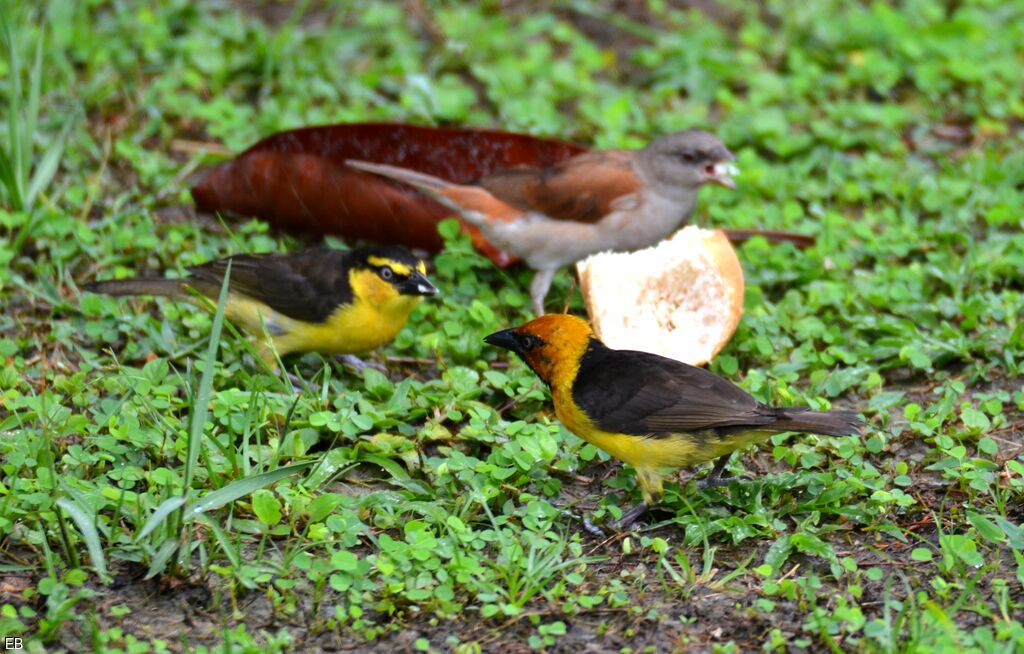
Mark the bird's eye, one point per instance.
(529, 342)
(386, 274)
(688, 157)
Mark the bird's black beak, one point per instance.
(505, 338)
(416, 284)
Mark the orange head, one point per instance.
(551, 345)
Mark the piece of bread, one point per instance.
(682, 298)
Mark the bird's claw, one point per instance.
(612, 528)
(628, 518)
(297, 384)
(359, 365)
(713, 481)
(594, 530)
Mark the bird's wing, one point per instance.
(640, 393)
(305, 286)
(582, 189)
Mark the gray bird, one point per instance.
(618, 200)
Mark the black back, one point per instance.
(308, 285)
(643, 394)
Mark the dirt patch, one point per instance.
(191, 613)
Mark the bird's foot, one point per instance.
(298, 385)
(588, 526)
(714, 481)
(629, 517)
(591, 528)
(359, 365)
(717, 476)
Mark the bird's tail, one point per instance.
(138, 286)
(827, 423)
(428, 183)
(473, 203)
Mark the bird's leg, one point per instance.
(297, 384)
(358, 364)
(266, 352)
(592, 529)
(629, 517)
(589, 526)
(539, 288)
(651, 485)
(715, 478)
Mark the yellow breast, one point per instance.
(351, 329)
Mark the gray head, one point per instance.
(689, 159)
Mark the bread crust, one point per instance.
(729, 268)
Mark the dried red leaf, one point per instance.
(298, 179)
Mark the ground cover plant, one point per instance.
(161, 490)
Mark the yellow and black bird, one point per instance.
(318, 300)
(650, 411)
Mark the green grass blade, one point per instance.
(241, 488)
(47, 166)
(23, 232)
(400, 477)
(201, 406)
(222, 538)
(15, 188)
(87, 529)
(28, 128)
(166, 508)
(163, 555)
(7, 179)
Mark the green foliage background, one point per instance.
(434, 512)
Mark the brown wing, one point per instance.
(305, 285)
(581, 189)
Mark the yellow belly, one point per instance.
(351, 329)
(651, 455)
(672, 451)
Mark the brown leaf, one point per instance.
(298, 180)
